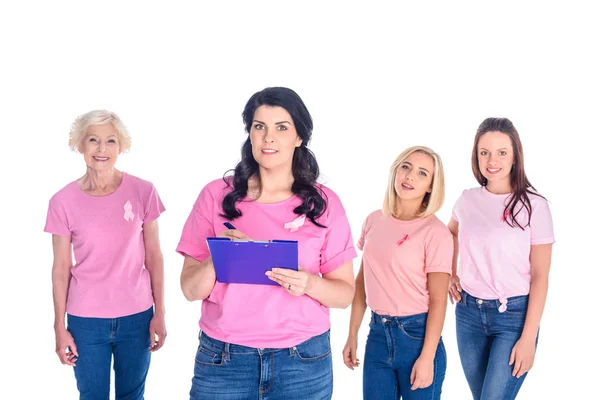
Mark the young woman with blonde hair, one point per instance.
(403, 278)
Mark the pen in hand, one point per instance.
(233, 235)
(228, 225)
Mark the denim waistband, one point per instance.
(472, 301)
(230, 348)
(404, 320)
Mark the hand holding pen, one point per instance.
(231, 232)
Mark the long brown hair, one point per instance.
(521, 188)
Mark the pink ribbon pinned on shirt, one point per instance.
(129, 215)
(404, 239)
(505, 216)
(295, 224)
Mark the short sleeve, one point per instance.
(153, 207)
(56, 220)
(439, 250)
(364, 231)
(542, 230)
(456, 208)
(198, 227)
(338, 246)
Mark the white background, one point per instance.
(376, 77)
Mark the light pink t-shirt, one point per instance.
(493, 256)
(108, 279)
(397, 256)
(263, 315)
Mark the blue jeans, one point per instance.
(225, 371)
(393, 346)
(97, 340)
(486, 338)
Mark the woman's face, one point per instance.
(273, 137)
(100, 147)
(495, 156)
(414, 177)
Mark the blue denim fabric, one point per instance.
(486, 338)
(393, 346)
(98, 340)
(225, 371)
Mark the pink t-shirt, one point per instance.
(262, 315)
(494, 257)
(108, 279)
(397, 256)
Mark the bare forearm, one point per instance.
(198, 280)
(155, 267)
(60, 288)
(332, 293)
(537, 300)
(359, 304)
(455, 255)
(434, 326)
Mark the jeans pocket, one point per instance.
(206, 356)
(414, 331)
(517, 307)
(314, 349)
(463, 300)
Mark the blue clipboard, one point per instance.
(246, 261)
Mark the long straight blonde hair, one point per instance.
(433, 201)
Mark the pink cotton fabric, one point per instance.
(494, 257)
(397, 256)
(108, 278)
(264, 316)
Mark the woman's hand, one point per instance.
(422, 373)
(158, 332)
(296, 283)
(65, 347)
(522, 356)
(349, 353)
(454, 289)
(233, 234)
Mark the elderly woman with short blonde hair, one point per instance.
(113, 294)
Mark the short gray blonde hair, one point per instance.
(433, 201)
(82, 123)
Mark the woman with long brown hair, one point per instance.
(503, 232)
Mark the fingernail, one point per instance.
(268, 273)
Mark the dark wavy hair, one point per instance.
(521, 188)
(304, 164)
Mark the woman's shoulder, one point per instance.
(536, 198)
(437, 224)
(437, 227)
(65, 193)
(334, 203)
(471, 192)
(137, 182)
(325, 189)
(215, 190)
(219, 187)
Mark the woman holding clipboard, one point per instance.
(269, 341)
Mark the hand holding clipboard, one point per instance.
(238, 259)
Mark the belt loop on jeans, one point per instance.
(464, 297)
(226, 352)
